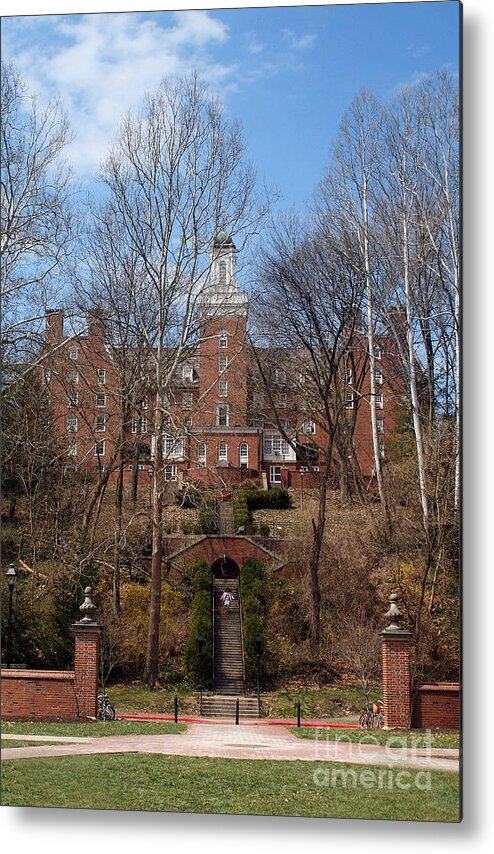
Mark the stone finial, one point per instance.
(88, 607)
(394, 615)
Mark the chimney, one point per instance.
(96, 325)
(54, 325)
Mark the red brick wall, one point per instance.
(436, 706)
(396, 680)
(212, 548)
(38, 695)
(53, 694)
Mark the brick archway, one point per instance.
(225, 567)
(211, 549)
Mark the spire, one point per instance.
(222, 294)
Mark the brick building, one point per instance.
(230, 415)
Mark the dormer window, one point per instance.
(223, 340)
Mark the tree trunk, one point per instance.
(152, 652)
(135, 473)
(118, 532)
(318, 531)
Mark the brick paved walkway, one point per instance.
(245, 742)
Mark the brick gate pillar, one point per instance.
(396, 645)
(86, 658)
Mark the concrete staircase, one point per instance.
(225, 518)
(228, 660)
(222, 706)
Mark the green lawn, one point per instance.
(96, 729)
(379, 736)
(189, 784)
(138, 698)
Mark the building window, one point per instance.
(100, 425)
(244, 455)
(381, 450)
(170, 473)
(188, 421)
(257, 422)
(144, 403)
(74, 353)
(349, 400)
(380, 425)
(101, 376)
(379, 401)
(99, 448)
(222, 451)
(275, 474)
(309, 427)
(187, 399)
(222, 363)
(101, 400)
(349, 375)
(280, 375)
(223, 388)
(72, 398)
(71, 423)
(46, 376)
(378, 353)
(201, 454)
(167, 421)
(72, 448)
(275, 446)
(187, 373)
(222, 415)
(223, 340)
(173, 446)
(73, 376)
(133, 425)
(258, 398)
(284, 423)
(144, 424)
(282, 399)
(379, 377)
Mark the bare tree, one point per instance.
(310, 297)
(346, 204)
(36, 211)
(175, 175)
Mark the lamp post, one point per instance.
(200, 649)
(302, 486)
(258, 641)
(11, 576)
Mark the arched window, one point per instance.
(244, 455)
(222, 451)
(201, 454)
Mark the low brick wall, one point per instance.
(436, 706)
(38, 695)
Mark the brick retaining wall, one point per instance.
(38, 695)
(436, 706)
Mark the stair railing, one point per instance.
(214, 638)
(241, 632)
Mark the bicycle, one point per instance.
(372, 717)
(105, 712)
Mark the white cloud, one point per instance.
(301, 42)
(101, 65)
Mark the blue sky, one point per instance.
(287, 73)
